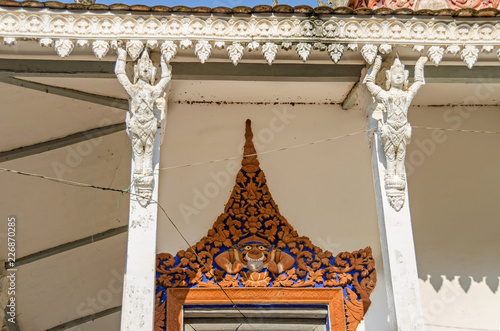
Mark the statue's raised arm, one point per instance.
(419, 75)
(370, 78)
(120, 72)
(165, 78)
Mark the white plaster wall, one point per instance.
(326, 193)
(325, 190)
(454, 193)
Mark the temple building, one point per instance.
(271, 168)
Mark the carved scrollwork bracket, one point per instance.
(147, 107)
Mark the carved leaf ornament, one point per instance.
(269, 50)
(367, 35)
(335, 51)
(203, 49)
(252, 245)
(100, 48)
(169, 50)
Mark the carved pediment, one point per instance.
(252, 245)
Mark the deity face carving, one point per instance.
(144, 69)
(397, 76)
(255, 253)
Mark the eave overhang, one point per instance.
(263, 28)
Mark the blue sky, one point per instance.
(207, 3)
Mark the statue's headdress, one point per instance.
(144, 59)
(397, 65)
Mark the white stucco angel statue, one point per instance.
(395, 130)
(146, 114)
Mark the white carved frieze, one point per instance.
(286, 45)
(469, 55)
(385, 49)
(435, 54)
(353, 47)
(152, 44)
(253, 46)
(269, 50)
(134, 48)
(168, 50)
(46, 42)
(203, 49)
(487, 49)
(369, 35)
(9, 41)
(335, 51)
(100, 48)
(418, 48)
(220, 44)
(82, 43)
(303, 50)
(185, 44)
(64, 47)
(319, 46)
(369, 53)
(235, 52)
(453, 49)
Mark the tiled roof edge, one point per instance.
(260, 9)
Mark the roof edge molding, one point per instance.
(424, 4)
(99, 32)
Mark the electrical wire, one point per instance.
(455, 130)
(128, 191)
(264, 152)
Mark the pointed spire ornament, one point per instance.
(252, 245)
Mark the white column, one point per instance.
(398, 251)
(138, 303)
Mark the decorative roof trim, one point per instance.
(374, 7)
(425, 4)
(63, 30)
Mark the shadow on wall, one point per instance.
(453, 186)
(455, 218)
(454, 201)
(492, 280)
(455, 213)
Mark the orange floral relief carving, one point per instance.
(251, 245)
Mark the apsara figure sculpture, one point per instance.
(395, 129)
(145, 115)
